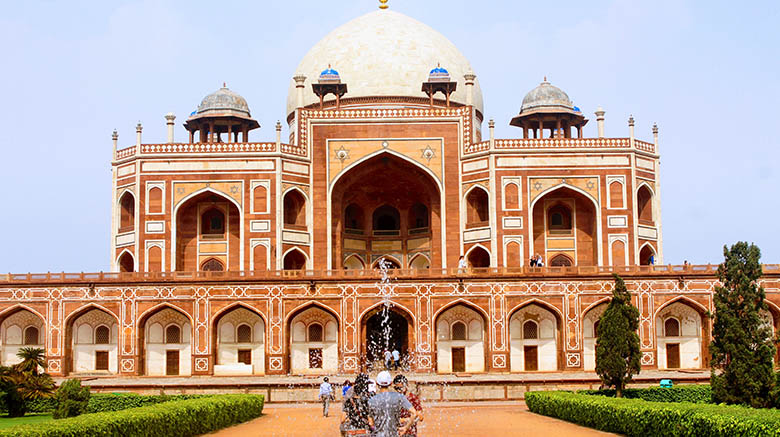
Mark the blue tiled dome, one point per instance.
(439, 70)
(439, 74)
(329, 75)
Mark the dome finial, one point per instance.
(545, 78)
(382, 4)
(224, 84)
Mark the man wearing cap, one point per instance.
(385, 409)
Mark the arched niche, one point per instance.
(589, 325)
(239, 342)
(314, 354)
(21, 328)
(679, 337)
(166, 343)
(534, 354)
(460, 340)
(94, 342)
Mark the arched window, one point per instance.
(244, 334)
(212, 223)
(389, 262)
(458, 331)
(155, 200)
(559, 219)
(418, 218)
(420, 262)
(173, 334)
(294, 260)
(644, 205)
(315, 332)
(212, 265)
(477, 213)
(386, 221)
(126, 213)
(561, 261)
(353, 219)
(353, 263)
(31, 336)
(102, 335)
(294, 209)
(530, 330)
(671, 327)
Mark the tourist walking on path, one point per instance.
(326, 395)
(396, 358)
(386, 407)
(388, 359)
(354, 417)
(401, 385)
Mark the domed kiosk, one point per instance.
(384, 56)
(548, 107)
(221, 112)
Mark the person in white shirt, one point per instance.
(396, 358)
(371, 386)
(462, 264)
(326, 395)
(388, 359)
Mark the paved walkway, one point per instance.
(483, 419)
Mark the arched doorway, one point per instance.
(93, 340)
(460, 340)
(590, 324)
(478, 257)
(165, 343)
(565, 223)
(294, 260)
(207, 226)
(534, 339)
(239, 343)
(647, 255)
(385, 206)
(314, 341)
(20, 328)
(679, 336)
(387, 327)
(644, 205)
(126, 262)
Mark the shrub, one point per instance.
(636, 417)
(188, 417)
(701, 394)
(101, 402)
(72, 399)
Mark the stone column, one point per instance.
(600, 120)
(114, 140)
(470, 77)
(169, 118)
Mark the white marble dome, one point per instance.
(384, 53)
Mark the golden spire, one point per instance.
(382, 4)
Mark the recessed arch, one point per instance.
(159, 307)
(461, 353)
(183, 201)
(477, 200)
(645, 252)
(295, 259)
(126, 202)
(683, 299)
(644, 203)
(212, 265)
(420, 261)
(395, 263)
(19, 307)
(123, 261)
(558, 314)
(14, 324)
(389, 152)
(543, 353)
(74, 352)
(473, 252)
(295, 207)
(234, 357)
(312, 357)
(158, 357)
(354, 262)
(606, 300)
(306, 305)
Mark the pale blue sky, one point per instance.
(73, 71)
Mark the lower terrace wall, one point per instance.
(280, 297)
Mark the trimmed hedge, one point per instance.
(698, 394)
(176, 418)
(101, 402)
(636, 417)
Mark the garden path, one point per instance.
(483, 419)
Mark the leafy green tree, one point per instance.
(72, 399)
(617, 341)
(742, 346)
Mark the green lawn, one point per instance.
(29, 418)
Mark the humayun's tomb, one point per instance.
(237, 257)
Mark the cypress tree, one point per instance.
(742, 346)
(617, 341)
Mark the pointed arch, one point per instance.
(471, 250)
(477, 200)
(558, 314)
(644, 257)
(20, 307)
(415, 259)
(294, 251)
(685, 300)
(354, 262)
(295, 207)
(233, 306)
(389, 258)
(121, 263)
(308, 304)
(600, 301)
(228, 356)
(184, 200)
(126, 209)
(461, 301)
(355, 164)
(596, 210)
(74, 353)
(645, 210)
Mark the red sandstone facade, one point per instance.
(247, 257)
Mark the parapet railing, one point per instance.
(311, 275)
(181, 148)
(561, 143)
